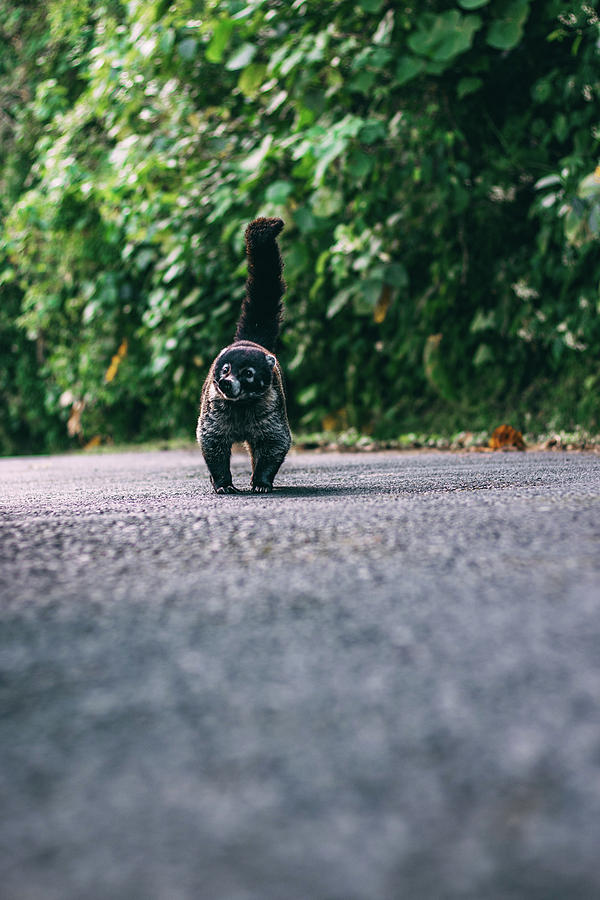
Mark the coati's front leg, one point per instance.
(217, 455)
(267, 457)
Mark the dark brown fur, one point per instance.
(243, 398)
(262, 309)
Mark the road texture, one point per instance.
(382, 682)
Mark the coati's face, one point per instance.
(243, 373)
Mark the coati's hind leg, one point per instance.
(267, 456)
(217, 455)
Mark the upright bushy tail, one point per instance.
(262, 308)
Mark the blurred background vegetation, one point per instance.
(435, 165)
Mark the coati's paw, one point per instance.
(262, 488)
(227, 489)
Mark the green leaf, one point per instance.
(278, 192)
(304, 219)
(467, 86)
(442, 37)
(246, 11)
(253, 162)
(371, 5)
(561, 127)
(589, 187)
(504, 35)
(395, 275)
(594, 220)
(384, 31)
(380, 57)
(326, 202)
(472, 4)
(219, 40)
(506, 32)
(484, 320)
(367, 295)
(547, 181)
(289, 62)
(372, 131)
(408, 68)
(544, 88)
(251, 79)
(339, 301)
(167, 39)
(326, 159)
(459, 41)
(483, 355)
(297, 259)
(187, 48)
(306, 396)
(241, 58)
(222, 201)
(363, 82)
(359, 164)
(574, 225)
(172, 272)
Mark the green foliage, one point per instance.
(435, 168)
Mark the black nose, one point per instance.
(230, 387)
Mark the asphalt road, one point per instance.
(382, 682)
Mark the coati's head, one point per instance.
(243, 373)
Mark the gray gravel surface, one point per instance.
(382, 682)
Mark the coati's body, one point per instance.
(243, 398)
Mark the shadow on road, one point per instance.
(338, 490)
(304, 491)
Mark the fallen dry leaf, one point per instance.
(505, 437)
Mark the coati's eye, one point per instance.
(225, 369)
(247, 373)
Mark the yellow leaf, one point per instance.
(328, 423)
(383, 304)
(335, 421)
(116, 361)
(112, 369)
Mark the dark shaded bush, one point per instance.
(434, 167)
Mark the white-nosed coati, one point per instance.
(243, 397)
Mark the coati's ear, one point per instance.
(270, 360)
